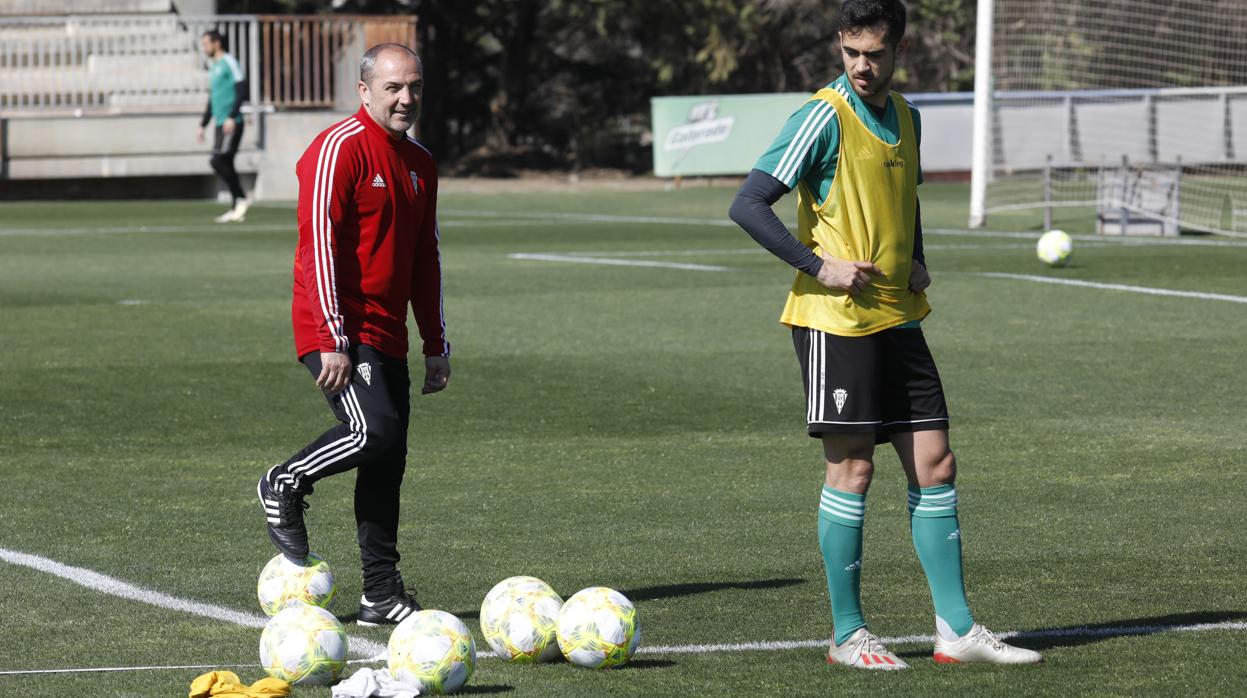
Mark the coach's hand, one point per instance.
(228, 126)
(436, 374)
(199, 135)
(919, 278)
(335, 372)
(841, 275)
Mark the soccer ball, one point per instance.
(434, 651)
(519, 619)
(598, 628)
(1054, 248)
(303, 645)
(283, 582)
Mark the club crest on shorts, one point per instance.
(839, 395)
(365, 372)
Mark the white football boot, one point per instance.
(863, 650)
(237, 214)
(240, 210)
(981, 645)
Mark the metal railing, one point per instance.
(312, 61)
(153, 63)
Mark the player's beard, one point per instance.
(874, 86)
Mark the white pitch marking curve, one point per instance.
(770, 646)
(115, 587)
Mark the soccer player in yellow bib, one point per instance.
(855, 310)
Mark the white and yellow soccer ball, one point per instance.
(283, 582)
(598, 628)
(1054, 248)
(303, 645)
(519, 619)
(432, 650)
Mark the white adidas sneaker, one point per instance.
(981, 645)
(240, 210)
(863, 650)
(237, 214)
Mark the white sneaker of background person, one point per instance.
(863, 650)
(235, 215)
(980, 645)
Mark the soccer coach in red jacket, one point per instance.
(368, 247)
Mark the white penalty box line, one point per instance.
(1146, 290)
(115, 587)
(769, 646)
(374, 652)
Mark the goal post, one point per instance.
(1070, 94)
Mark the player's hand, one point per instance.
(436, 374)
(228, 126)
(843, 275)
(335, 372)
(919, 278)
(199, 136)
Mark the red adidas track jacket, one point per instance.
(368, 243)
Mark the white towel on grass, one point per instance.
(374, 683)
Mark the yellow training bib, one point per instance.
(869, 216)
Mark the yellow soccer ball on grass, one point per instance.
(519, 620)
(304, 645)
(1054, 248)
(432, 650)
(283, 583)
(598, 628)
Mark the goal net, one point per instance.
(1131, 111)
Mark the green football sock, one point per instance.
(937, 539)
(840, 516)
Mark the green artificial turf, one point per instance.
(633, 427)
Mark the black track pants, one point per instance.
(372, 440)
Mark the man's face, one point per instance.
(209, 46)
(393, 95)
(869, 61)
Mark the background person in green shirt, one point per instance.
(226, 93)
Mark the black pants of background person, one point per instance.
(372, 440)
(224, 148)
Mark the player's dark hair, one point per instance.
(215, 35)
(856, 15)
(368, 64)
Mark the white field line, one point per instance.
(613, 261)
(726, 223)
(592, 218)
(516, 219)
(1117, 631)
(721, 252)
(1104, 239)
(1116, 287)
(245, 228)
(115, 587)
(771, 646)
(155, 229)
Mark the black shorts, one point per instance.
(881, 383)
(227, 143)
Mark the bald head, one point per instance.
(380, 52)
(391, 85)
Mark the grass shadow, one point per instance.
(1078, 635)
(492, 688)
(666, 591)
(647, 664)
